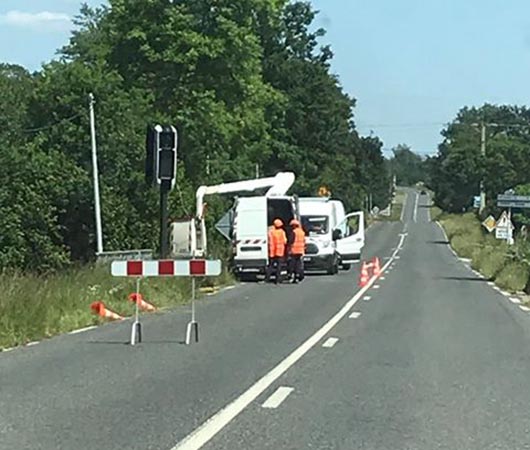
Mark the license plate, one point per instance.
(307, 259)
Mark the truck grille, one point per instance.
(311, 249)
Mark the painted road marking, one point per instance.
(403, 207)
(278, 397)
(415, 216)
(330, 342)
(382, 278)
(367, 298)
(31, 344)
(397, 257)
(515, 300)
(376, 286)
(524, 308)
(81, 330)
(201, 435)
(491, 283)
(355, 315)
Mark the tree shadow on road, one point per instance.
(483, 280)
(438, 242)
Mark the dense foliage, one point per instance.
(456, 172)
(246, 82)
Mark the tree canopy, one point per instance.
(246, 82)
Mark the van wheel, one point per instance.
(345, 266)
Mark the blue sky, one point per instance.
(411, 64)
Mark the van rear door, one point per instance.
(351, 243)
(250, 226)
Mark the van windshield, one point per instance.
(315, 225)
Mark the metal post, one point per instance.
(193, 326)
(371, 205)
(510, 231)
(208, 164)
(97, 208)
(164, 238)
(483, 153)
(136, 329)
(257, 170)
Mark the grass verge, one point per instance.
(35, 307)
(491, 257)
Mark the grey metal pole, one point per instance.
(97, 207)
(483, 153)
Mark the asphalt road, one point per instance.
(435, 359)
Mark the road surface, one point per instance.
(430, 357)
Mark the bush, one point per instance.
(463, 246)
(513, 276)
(490, 261)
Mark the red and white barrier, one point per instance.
(168, 268)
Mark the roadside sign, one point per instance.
(513, 201)
(224, 226)
(504, 227)
(489, 223)
(476, 202)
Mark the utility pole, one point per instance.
(257, 170)
(97, 208)
(483, 153)
(208, 164)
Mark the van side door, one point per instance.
(349, 236)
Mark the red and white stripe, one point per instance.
(251, 241)
(167, 268)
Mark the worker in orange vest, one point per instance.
(297, 252)
(277, 241)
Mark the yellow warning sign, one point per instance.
(323, 191)
(489, 223)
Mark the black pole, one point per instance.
(164, 237)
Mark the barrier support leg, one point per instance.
(136, 329)
(193, 325)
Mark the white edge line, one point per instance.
(524, 308)
(31, 344)
(81, 330)
(515, 300)
(330, 342)
(278, 397)
(10, 349)
(201, 435)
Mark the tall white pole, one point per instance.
(483, 153)
(97, 209)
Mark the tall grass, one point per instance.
(33, 307)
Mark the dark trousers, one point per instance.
(296, 267)
(275, 266)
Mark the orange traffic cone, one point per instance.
(364, 275)
(100, 309)
(142, 304)
(377, 266)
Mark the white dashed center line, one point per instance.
(367, 298)
(278, 397)
(355, 315)
(330, 342)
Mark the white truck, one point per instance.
(250, 218)
(334, 239)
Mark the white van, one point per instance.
(252, 217)
(333, 238)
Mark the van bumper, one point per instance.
(250, 265)
(318, 262)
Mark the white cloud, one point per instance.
(41, 21)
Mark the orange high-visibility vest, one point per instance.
(277, 241)
(298, 247)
